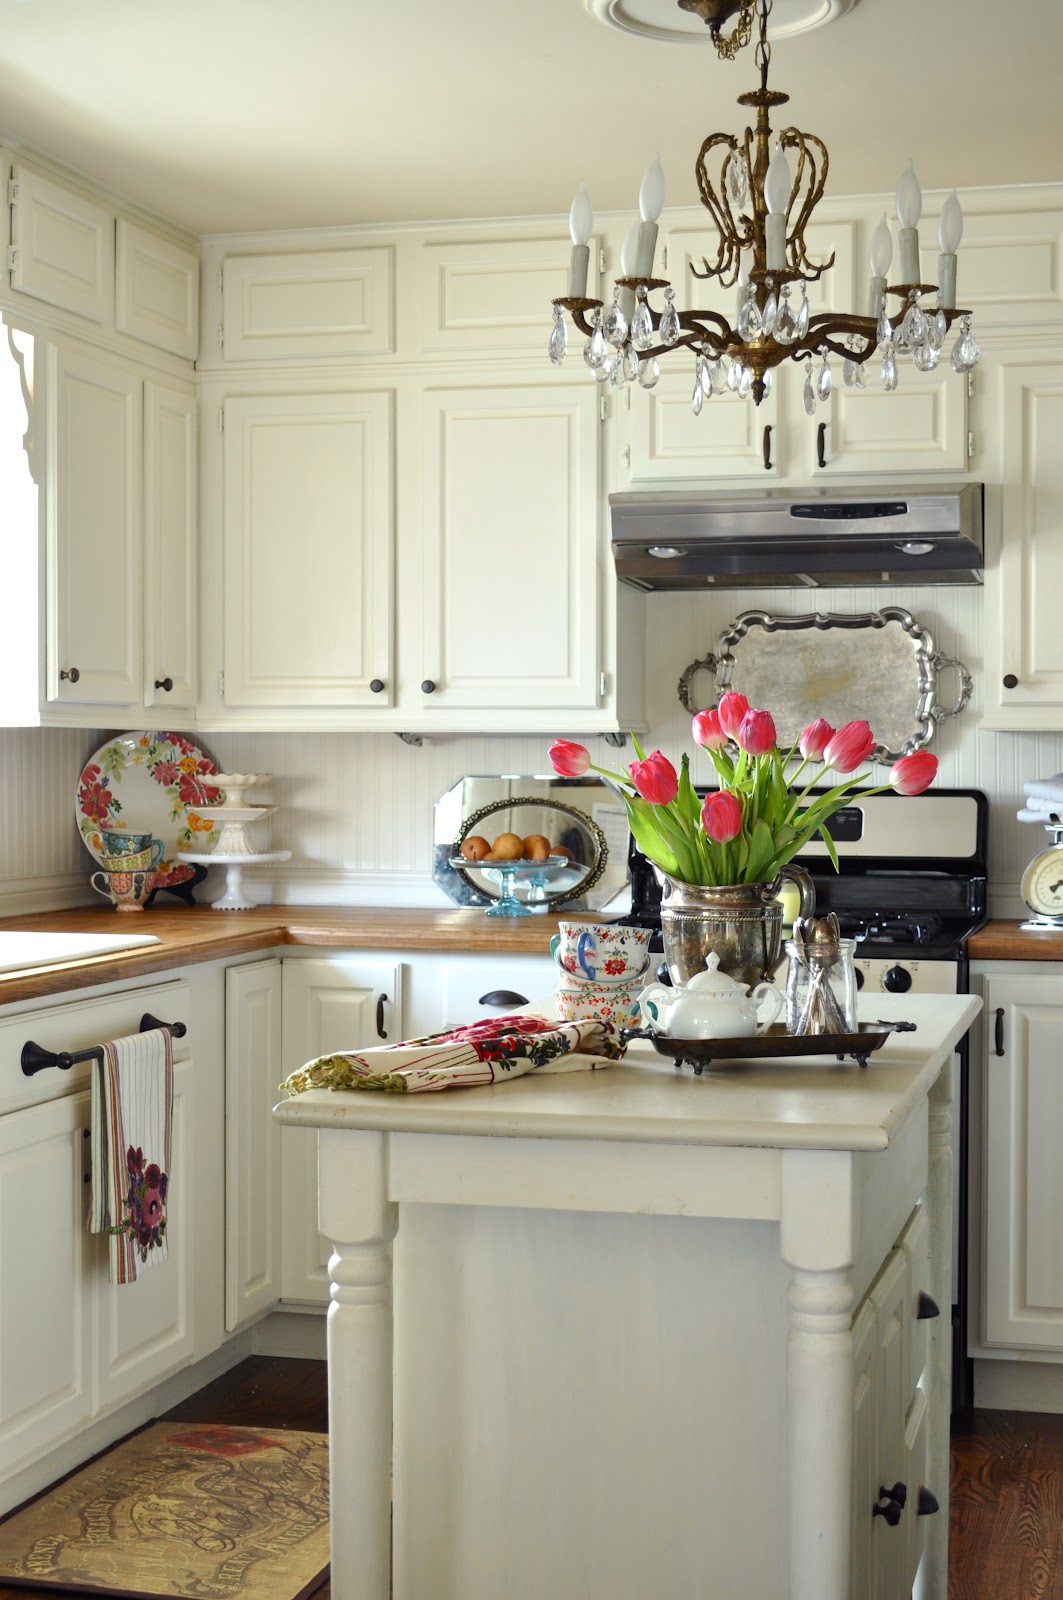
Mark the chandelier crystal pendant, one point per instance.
(761, 191)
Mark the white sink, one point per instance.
(18, 950)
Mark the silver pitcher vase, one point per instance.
(741, 922)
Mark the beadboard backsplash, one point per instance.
(356, 809)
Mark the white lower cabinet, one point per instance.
(1022, 1179)
(46, 1382)
(891, 1498)
(444, 991)
(335, 1003)
(73, 1346)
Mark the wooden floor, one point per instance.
(1006, 1531)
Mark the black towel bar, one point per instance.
(35, 1058)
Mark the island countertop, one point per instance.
(816, 1103)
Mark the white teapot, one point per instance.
(710, 1006)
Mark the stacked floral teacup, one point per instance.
(601, 970)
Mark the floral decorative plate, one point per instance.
(146, 783)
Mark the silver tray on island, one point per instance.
(773, 1043)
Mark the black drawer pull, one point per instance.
(166, 684)
(926, 1307)
(767, 447)
(503, 997)
(926, 1503)
(381, 1001)
(998, 1031)
(821, 445)
(36, 1059)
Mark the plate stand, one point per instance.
(234, 898)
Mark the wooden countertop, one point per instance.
(1006, 941)
(189, 934)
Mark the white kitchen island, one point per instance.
(654, 1336)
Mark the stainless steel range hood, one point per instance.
(819, 538)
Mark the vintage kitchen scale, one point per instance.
(1042, 883)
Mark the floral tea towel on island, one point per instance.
(485, 1052)
(132, 1115)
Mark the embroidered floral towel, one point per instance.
(485, 1052)
(132, 1112)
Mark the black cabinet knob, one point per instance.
(503, 997)
(926, 1502)
(164, 683)
(926, 1307)
(428, 687)
(72, 676)
(1010, 681)
(891, 1511)
(376, 685)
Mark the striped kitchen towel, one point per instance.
(489, 1051)
(132, 1114)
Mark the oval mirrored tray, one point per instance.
(580, 821)
(877, 665)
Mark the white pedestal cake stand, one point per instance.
(233, 899)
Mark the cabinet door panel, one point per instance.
(64, 247)
(93, 532)
(253, 1069)
(920, 427)
(308, 303)
(1023, 638)
(145, 1329)
(727, 440)
(45, 1387)
(1023, 1181)
(169, 546)
(492, 294)
(328, 1005)
(511, 547)
(156, 290)
(308, 549)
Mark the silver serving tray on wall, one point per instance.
(877, 665)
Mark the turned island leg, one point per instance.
(355, 1214)
(816, 1235)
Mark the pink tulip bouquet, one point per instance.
(757, 819)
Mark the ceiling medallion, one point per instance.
(761, 210)
(646, 18)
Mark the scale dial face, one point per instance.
(1042, 883)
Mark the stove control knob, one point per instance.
(896, 980)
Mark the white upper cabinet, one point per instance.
(170, 639)
(62, 246)
(1008, 268)
(307, 303)
(495, 294)
(308, 549)
(730, 438)
(156, 290)
(93, 565)
(920, 427)
(511, 546)
(1024, 556)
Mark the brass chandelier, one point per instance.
(761, 209)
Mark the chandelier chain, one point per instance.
(728, 48)
(762, 54)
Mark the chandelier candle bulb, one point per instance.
(629, 267)
(776, 198)
(651, 204)
(881, 254)
(950, 232)
(909, 210)
(580, 223)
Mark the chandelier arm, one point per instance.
(733, 238)
(814, 175)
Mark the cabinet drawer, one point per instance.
(77, 1025)
(307, 303)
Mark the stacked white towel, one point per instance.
(1044, 800)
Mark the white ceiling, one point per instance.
(249, 114)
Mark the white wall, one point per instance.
(356, 809)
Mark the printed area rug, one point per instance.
(181, 1510)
